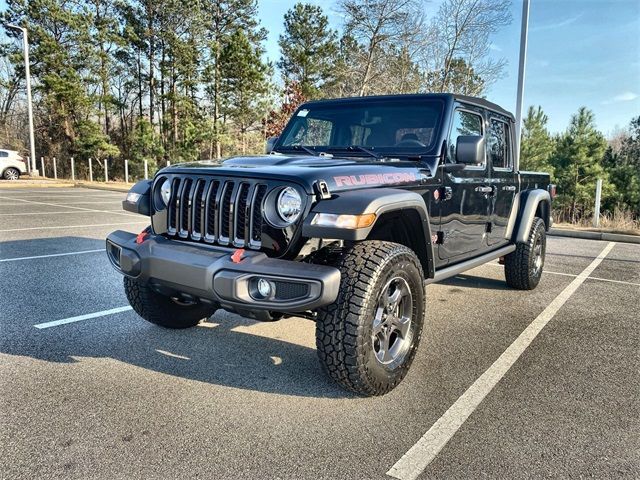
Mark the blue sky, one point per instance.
(581, 52)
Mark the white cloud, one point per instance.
(622, 97)
(561, 23)
(625, 97)
(495, 47)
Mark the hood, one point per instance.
(340, 173)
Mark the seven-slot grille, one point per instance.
(221, 211)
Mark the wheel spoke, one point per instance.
(378, 322)
(401, 325)
(395, 297)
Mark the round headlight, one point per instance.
(289, 205)
(165, 191)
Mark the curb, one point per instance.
(113, 188)
(610, 237)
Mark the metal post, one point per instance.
(73, 169)
(126, 171)
(90, 171)
(27, 74)
(168, 163)
(521, 73)
(596, 213)
(146, 170)
(106, 169)
(55, 169)
(42, 165)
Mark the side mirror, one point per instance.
(470, 149)
(271, 141)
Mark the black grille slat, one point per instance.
(226, 213)
(240, 219)
(211, 219)
(185, 204)
(196, 210)
(217, 211)
(256, 216)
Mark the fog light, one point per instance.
(264, 288)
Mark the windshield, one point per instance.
(372, 128)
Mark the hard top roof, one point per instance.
(481, 102)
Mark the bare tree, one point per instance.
(379, 27)
(456, 54)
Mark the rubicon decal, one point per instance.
(374, 179)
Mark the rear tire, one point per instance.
(367, 339)
(161, 310)
(11, 174)
(523, 267)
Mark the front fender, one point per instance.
(378, 201)
(139, 198)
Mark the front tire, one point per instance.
(368, 338)
(11, 174)
(523, 267)
(161, 310)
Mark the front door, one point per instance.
(503, 178)
(464, 217)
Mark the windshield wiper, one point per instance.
(296, 148)
(356, 148)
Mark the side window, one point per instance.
(498, 144)
(3, 154)
(464, 123)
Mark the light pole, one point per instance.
(521, 71)
(27, 74)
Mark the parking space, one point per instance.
(110, 396)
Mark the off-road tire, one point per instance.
(161, 310)
(344, 329)
(519, 266)
(11, 174)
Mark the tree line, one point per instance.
(578, 157)
(180, 80)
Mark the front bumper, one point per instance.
(208, 273)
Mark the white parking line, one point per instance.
(77, 208)
(51, 255)
(433, 441)
(599, 279)
(70, 227)
(75, 212)
(80, 318)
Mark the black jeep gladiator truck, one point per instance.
(358, 205)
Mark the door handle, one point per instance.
(509, 188)
(484, 189)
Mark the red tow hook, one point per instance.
(142, 236)
(236, 257)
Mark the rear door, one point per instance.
(500, 153)
(465, 215)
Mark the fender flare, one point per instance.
(378, 201)
(142, 203)
(529, 205)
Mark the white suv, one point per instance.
(11, 165)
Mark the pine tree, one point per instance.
(244, 83)
(308, 48)
(536, 146)
(578, 163)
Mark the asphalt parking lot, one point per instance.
(109, 396)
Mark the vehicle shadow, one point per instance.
(471, 281)
(226, 350)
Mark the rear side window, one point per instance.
(3, 154)
(498, 144)
(464, 123)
